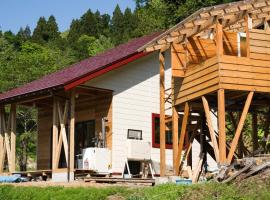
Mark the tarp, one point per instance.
(11, 179)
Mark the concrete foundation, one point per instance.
(62, 176)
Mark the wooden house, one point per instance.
(174, 87)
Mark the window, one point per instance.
(156, 134)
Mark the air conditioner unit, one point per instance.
(138, 150)
(96, 159)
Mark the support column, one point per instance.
(162, 114)
(1, 140)
(175, 118)
(55, 134)
(221, 126)
(72, 132)
(13, 137)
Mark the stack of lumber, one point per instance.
(242, 169)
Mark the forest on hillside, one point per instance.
(30, 54)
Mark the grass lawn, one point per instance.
(251, 189)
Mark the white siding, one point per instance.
(135, 98)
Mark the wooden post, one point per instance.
(54, 134)
(219, 38)
(174, 130)
(1, 140)
(182, 135)
(210, 127)
(255, 132)
(13, 138)
(72, 131)
(239, 127)
(221, 126)
(248, 22)
(162, 113)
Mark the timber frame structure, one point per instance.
(220, 64)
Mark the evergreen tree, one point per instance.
(89, 24)
(117, 24)
(40, 34)
(24, 34)
(74, 31)
(130, 24)
(52, 29)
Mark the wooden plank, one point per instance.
(210, 127)
(199, 80)
(245, 81)
(162, 113)
(234, 68)
(201, 73)
(258, 49)
(259, 56)
(197, 88)
(197, 94)
(198, 169)
(239, 127)
(221, 126)
(201, 66)
(243, 61)
(182, 135)
(72, 132)
(244, 87)
(259, 36)
(13, 138)
(246, 75)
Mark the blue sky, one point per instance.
(19, 13)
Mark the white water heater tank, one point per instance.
(138, 150)
(97, 159)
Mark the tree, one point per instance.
(117, 25)
(99, 45)
(74, 31)
(52, 29)
(40, 34)
(23, 35)
(89, 24)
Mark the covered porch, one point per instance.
(67, 123)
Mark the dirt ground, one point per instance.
(79, 183)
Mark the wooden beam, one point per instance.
(162, 113)
(219, 38)
(248, 22)
(239, 127)
(175, 125)
(1, 140)
(182, 135)
(72, 131)
(255, 132)
(55, 134)
(13, 138)
(62, 136)
(175, 137)
(210, 127)
(221, 126)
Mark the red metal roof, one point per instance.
(80, 69)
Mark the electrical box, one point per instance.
(138, 150)
(97, 159)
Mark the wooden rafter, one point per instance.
(205, 18)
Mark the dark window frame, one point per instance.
(134, 138)
(154, 143)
